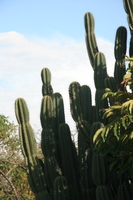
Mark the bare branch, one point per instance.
(11, 184)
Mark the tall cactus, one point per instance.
(69, 161)
(46, 80)
(81, 171)
(91, 43)
(120, 52)
(35, 172)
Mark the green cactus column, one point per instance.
(100, 178)
(91, 43)
(56, 109)
(120, 52)
(98, 62)
(80, 107)
(61, 189)
(100, 74)
(48, 144)
(124, 192)
(58, 118)
(46, 80)
(69, 162)
(128, 6)
(85, 162)
(28, 144)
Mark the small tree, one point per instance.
(116, 138)
(13, 178)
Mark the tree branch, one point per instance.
(11, 184)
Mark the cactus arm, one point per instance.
(100, 72)
(110, 83)
(120, 43)
(123, 192)
(119, 52)
(128, 6)
(104, 193)
(75, 101)
(58, 112)
(86, 103)
(46, 114)
(48, 142)
(91, 43)
(70, 166)
(35, 171)
(61, 188)
(52, 171)
(46, 80)
(28, 142)
(58, 118)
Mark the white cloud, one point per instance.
(21, 62)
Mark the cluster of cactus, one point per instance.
(69, 171)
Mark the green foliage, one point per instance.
(13, 178)
(117, 135)
(115, 139)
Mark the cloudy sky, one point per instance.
(38, 33)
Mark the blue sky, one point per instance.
(39, 33)
(44, 18)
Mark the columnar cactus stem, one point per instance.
(58, 112)
(110, 83)
(46, 115)
(91, 43)
(69, 161)
(48, 142)
(86, 103)
(100, 72)
(123, 192)
(75, 101)
(46, 80)
(128, 5)
(26, 133)
(120, 52)
(35, 171)
(61, 188)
